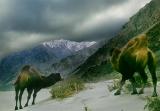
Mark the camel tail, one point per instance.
(17, 81)
(151, 62)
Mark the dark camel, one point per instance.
(134, 57)
(31, 79)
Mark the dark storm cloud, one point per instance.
(24, 23)
(48, 15)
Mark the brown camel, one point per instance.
(134, 57)
(31, 79)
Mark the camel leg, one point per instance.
(34, 95)
(118, 92)
(154, 79)
(29, 96)
(152, 69)
(20, 98)
(16, 97)
(133, 82)
(144, 79)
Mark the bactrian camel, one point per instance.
(31, 79)
(134, 57)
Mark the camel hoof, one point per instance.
(16, 108)
(133, 93)
(33, 103)
(26, 105)
(117, 93)
(20, 107)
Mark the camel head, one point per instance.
(55, 76)
(115, 57)
(50, 80)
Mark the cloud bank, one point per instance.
(24, 23)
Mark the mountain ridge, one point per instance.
(145, 18)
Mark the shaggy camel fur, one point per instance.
(134, 57)
(31, 79)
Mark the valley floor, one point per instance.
(96, 97)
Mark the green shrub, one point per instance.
(128, 86)
(153, 104)
(67, 88)
(114, 85)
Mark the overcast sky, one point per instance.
(25, 23)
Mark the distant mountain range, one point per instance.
(146, 20)
(44, 57)
(63, 48)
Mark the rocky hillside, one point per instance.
(43, 56)
(145, 20)
(70, 63)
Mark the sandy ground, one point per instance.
(96, 98)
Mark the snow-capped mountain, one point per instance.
(67, 65)
(71, 45)
(42, 56)
(63, 48)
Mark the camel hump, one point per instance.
(136, 43)
(141, 57)
(26, 72)
(24, 69)
(22, 77)
(34, 71)
(142, 40)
